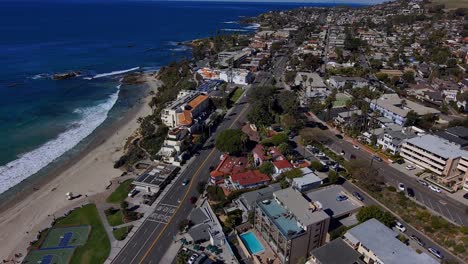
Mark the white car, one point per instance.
(400, 227)
(401, 187)
(320, 154)
(434, 188)
(192, 259)
(410, 167)
(356, 147)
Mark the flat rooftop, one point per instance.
(382, 241)
(285, 222)
(439, 146)
(393, 103)
(328, 253)
(327, 198)
(156, 175)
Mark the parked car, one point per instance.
(465, 196)
(132, 193)
(193, 200)
(377, 158)
(356, 147)
(410, 192)
(339, 136)
(418, 240)
(192, 259)
(341, 198)
(342, 153)
(320, 154)
(401, 186)
(422, 182)
(353, 157)
(410, 167)
(435, 252)
(400, 227)
(358, 196)
(434, 188)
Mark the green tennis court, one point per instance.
(49, 256)
(63, 237)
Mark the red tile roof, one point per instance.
(229, 165)
(282, 164)
(249, 177)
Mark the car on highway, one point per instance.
(434, 189)
(418, 240)
(356, 147)
(193, 200)
(400, 227)
(341, 198)
(192, 259)
(358, 196)
(435, 252)
(185, 182)
(422, 182)
(401, 186)
(410, 192)
(410, 167)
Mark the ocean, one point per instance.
(44, 121)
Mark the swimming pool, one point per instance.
(251, 242)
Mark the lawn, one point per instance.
(116, 218)
(97, 248)
(120, 193)
(237, 94)
(121, 233)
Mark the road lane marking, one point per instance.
(461, 221)
(197, 172)
(451, 216)
(141, 248)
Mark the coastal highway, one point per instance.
(155, 236)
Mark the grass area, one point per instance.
(55, 235)
(237, 94)
(121, 233)
(97, 248)
(121, 192)
(116, 218)
(59, 256)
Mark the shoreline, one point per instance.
(88, 173)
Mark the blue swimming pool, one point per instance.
(251, 242)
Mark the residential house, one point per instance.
(281, 166)
(340, 82)
(307, 181)
(174, 145)
(335, 252)
(229, 165)
(391, 141)
(248, 179)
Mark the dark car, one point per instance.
(358, 196)
(353, 156)
(410, 192)
(339, 136)
(377, 158)
(193, 200)
(341, 198)
(418, 240)
(465, 196)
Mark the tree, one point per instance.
(259, 115)
(373, 211)
(267, 168)
(276, 139)
(294, 173)
(382, 76)
(289, 77)
(288, 102)
(201, 186)
(332, 176)
(411, 118)
(231, 141)
(284, 148)
(311, 135)
(183, 224)
(316, 165)
(408, 76)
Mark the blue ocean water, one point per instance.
(40, 118)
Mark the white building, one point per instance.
(237, 76)
(188, 106)
(308, 181)
(340, 82)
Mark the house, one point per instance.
(236, 76)
(247, 200)
(174, 145)
(262, 154)
(345, 117)
(293, 225)
(391, 141)
(379, 244)
(307, 181)
(205, 226)
(248, 179)
(311, 85)
(424, 70)
(183, 111)
(327, 254)
(229, 165)
(281, 166)
(457, 135)
(340, 82)
(395, 108)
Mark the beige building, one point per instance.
(291, 225)
(188, 106)
(445, 159)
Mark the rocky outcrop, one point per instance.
(66, 75)
(134, 78)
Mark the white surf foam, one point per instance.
(234, 29)
(253, 26)
(231, 22)
(31, 162)
(40, 76)
(114, 73)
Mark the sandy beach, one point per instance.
(88, 174)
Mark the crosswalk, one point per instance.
(162, 213)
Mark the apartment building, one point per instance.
(395, 108)
(188, 106)
(379, 244)
(291, 224)
(174, 145)
(445, 159)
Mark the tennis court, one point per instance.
(49, 256)
(64, 237)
